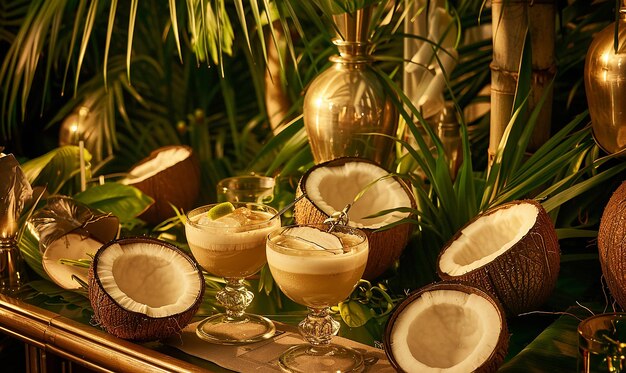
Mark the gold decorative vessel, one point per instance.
(346, 103)
(605, 85)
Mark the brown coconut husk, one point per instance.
(612, 245)
(523, 277)
(131, 325)
(385, 246)
(178, 185)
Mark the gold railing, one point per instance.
(82, 344)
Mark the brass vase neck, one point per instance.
(353, 32)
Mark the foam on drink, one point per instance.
(234, 244)
(291, 254)
(311, 275)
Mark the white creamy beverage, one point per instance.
(232, 246)
(317, 274)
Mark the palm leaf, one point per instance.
(131, 32)
(174, 20)
(107, 46)
(91, 17)
(56, 168)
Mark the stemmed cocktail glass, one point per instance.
(232, 246)
(318, 266)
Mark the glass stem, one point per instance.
(235, 298)
(318, 327)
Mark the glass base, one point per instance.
(332, 358)
(249, 328)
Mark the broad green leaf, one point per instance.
(354, 313)
(55, 168)
(554, 350)
(124, 201)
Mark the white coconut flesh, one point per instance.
(445, 331)
(148, 278)
(163, 160)
(487, 238)
(332, 188)
(71, 246)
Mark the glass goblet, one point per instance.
(232, 247)
(312, 273)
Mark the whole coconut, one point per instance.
(612, 244)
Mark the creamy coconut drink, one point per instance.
(228, 240)
(232, 244)
(318, 266)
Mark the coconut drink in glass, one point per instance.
(318, 266)
(228, 240)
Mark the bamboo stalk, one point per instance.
(510, 20)
(277, 102)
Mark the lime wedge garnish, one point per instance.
(219, 210)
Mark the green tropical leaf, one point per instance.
(107, 46)
(131, 33)
(29, 247)
(124, 201)
(354, 313)
(554, 350)
(56, 168)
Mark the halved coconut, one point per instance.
(68, 229)
(447, 327)
(171, 176)
(72, 246)
(511, 251)
(330, 186)
(612, 245)
(144, 289)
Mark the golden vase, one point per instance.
(347, 104)
(605, 85)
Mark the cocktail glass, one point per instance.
(245, 188)
(232, 248)
(602, 343)
(317, 276)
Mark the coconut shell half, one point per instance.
(330, 186)
(612, 244)
(67, 229)
(171, 176)
(62, 215)
(447, 326)
(144, 289)
(511, 251)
